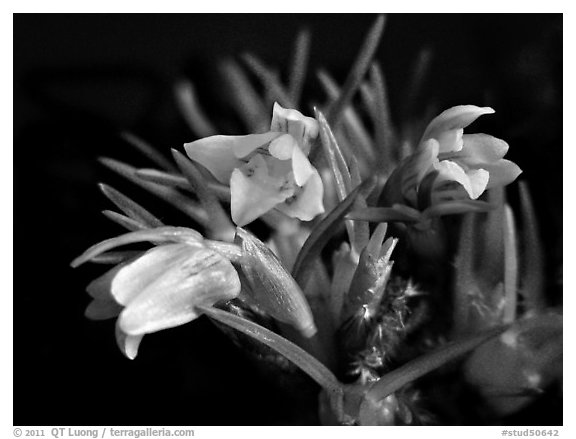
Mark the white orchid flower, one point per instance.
(161, 289)
(467, 164)
(266, 171)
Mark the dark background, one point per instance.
(80, 79)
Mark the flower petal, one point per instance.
(100, 288)
(128, 344)
(448, 127)
(135, 277)
(301, 167)
(480, 149)
(102, 309)
(283, 146)
(221, 154)
(307, 203)
(254, 192)
(502, 173)
(198, 277)
(304, 129)
(474, 182)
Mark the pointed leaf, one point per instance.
(510, 266)
(148, 151)
(382, 215)
(130, 207)
(191, 111)
(164, 178)
(357, 71)
(124, 221)
(160, 234)
(316, 370)
(393, 381)
(270, 80)
(299, 66)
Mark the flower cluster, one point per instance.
(368, 319)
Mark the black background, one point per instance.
(80, 79)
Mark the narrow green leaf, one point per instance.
(124, 221)
(510, 267)
(148, 151)
(464, 281)
(361, 143)
(299, 66)
(321, 234)
(220, 225)
(270, 81)
(169, 195)
(358, 71)
(533, 254)
(164, 178)
(130, 207)
(316, 370)
(457, 207)
(191, 111)
(160, 234)
(382, 215)
(384, 130)
(246, 101)
(114, 258)
(393, 381)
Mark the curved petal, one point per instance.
(502, 173)
(201, 277)
(221, 154)
(128, 344)
(282, 147)
(474, 182)
(254, 192)
(448, 127)
(135, 277)
(301, 167)
(307, 203)
(304, 129)
(100, 288)
(480, 149)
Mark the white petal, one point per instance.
(301, 167)
(480, 149)
(304, 129)
(448, 127)
(135, 277)
(282, 147)
(452, 172)
(478, 181)
(502, 173)
(221, 154)
(128, 344)
(254, 192)
(100, 288)
(200, 278)
(307, 203)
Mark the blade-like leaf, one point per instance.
(191, 111)
(393, 381)
(164, 178)
(358, 71)
(124, 221)
(533, 261)
(168, 194)
(384, 131)
(299, 66)
(130, 207)
(382, 215)
(148, 151)
(321, 234)
(160, 234)
(464, 281)
(457, 207)
(219, 225)
(245, 99)
(274, 88)
(510, 267)
(310, 365)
